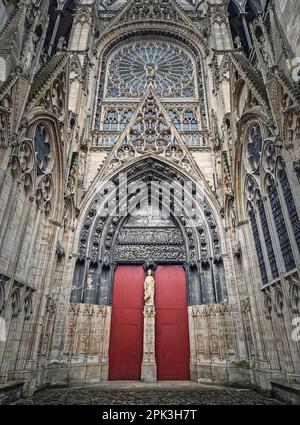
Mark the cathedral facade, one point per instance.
(149, 138)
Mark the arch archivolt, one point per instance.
(195, 238)
(114, 35)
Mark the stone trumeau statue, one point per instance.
(149, 288)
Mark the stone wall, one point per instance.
(87, 343)
(288, 12)
(214, 348)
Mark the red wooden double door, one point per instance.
(172, 334)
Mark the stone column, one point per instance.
(59, 14)
(246, 29)
(149, 370)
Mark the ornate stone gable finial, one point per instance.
(152, 10)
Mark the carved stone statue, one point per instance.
(149, 287)
(62, 44)
(30, 51)
(150, 71)
(238, 42)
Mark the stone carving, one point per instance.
(214, 331)
(269, 159)
(150, 236)
(268, 304)
(151, 132)
(294, 295)
(167, 67)
(3, 281)
(237, 250)
(62, 44)
(81, 168)
(4, 127)
(28, 307)
(149, 311)
(296, 165)
(90, 323)
(51, 305)
(279, 301)
(152, 10)
(149, 287)
(15, 300)
(134, 253)
(105, 241)
(238, 43)
(29, 53)
(149, 373)
(265, 54)
(60, 251)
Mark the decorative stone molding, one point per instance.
(151, 10)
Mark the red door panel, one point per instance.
(128, 289)
(172, 338)
(172, 332)
(126, 339)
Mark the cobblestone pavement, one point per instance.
(140, 395)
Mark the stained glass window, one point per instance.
(190, 122)
(290, 203)
(255, 143)
(281, 228)
(126, 117)
(268, 240)
(42, 147)
(174, 117)
(169, 67)
(259, 251)
(111, 121)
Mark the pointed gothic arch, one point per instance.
(198, 240)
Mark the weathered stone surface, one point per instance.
(99, 396)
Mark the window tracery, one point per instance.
(170, 67)
(42, 147)
(190, 121)
(269, 216)
(175, 118)
(290, 203)
(282, 233)
(268, 239)
(258, 246)
(45, 162)
(173, 74)
(255, 142)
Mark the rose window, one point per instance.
(168, 67)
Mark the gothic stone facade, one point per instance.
(200, 91)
